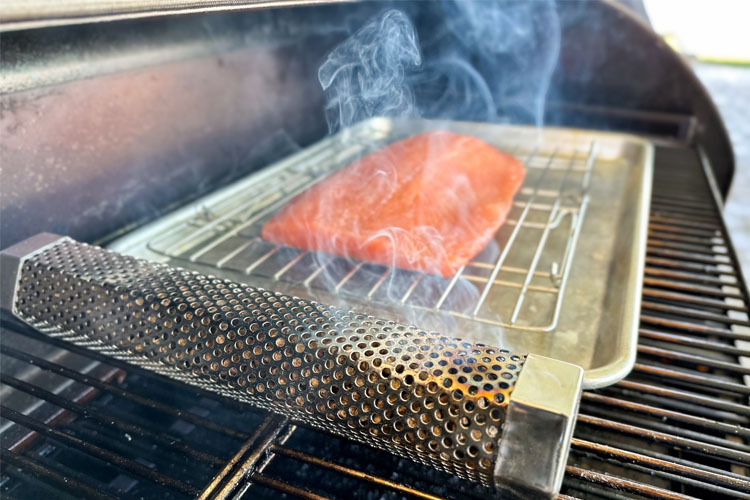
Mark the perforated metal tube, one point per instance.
(431, 398)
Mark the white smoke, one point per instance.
(492, 62)
(365, 76)
(515, 44)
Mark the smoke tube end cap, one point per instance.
(538, 428)
(11, 260)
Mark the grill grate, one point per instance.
(677, 427)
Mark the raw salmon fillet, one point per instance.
(427, 203)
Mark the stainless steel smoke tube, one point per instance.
(477, 411)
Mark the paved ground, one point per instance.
(730, 89)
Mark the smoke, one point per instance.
(365, 76)
(488, 61)
(514, 44)
(452, 88)
(492, 61)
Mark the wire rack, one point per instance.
(517, 282)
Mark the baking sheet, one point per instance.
(562, 278)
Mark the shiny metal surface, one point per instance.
(535, 467)
(678, 425)
(435, 399)
(24, 14)
(543, 286)
(93, 112)
(10, 262)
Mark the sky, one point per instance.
(707, 29)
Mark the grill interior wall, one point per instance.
(676, 427)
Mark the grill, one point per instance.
(110, 125)
(677, 427)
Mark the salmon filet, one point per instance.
(427, 203)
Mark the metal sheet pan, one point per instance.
(562, 278)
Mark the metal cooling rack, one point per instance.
(224, 232)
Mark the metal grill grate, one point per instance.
(547, 216)
(677, 427)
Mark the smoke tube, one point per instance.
(473, 410)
